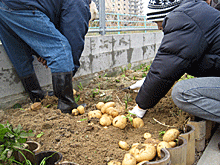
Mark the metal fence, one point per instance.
(120, 15)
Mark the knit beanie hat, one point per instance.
(215, 4)
(158, 9)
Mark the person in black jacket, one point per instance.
(54, 30)
(191, 44)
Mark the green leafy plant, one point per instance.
(161, 133)
(80, 86)
(76, 98)
(12, 140)
(123, 75)
(127, 99)
(95, 92)
(43, 162)
(129, 117)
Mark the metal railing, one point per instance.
(118, 22)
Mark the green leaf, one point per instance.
(40, 134)
(17, 106)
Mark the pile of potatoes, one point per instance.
(108, 114)
(139, 153)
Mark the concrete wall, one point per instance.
(102, 54)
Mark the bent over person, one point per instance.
(54, 30)
(191, 44)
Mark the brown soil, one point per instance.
(85, 141)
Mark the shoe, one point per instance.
(32, 87)
(63, 90)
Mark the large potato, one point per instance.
(105, 121)
(100, 105)
(112, 111)
(143, 152)
(171, 135)
(107, 105)
(129, 160)
(123, 145)
(138, 123)
(161, 145)
(95, 114)
(120, 121)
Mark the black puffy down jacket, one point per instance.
(191, 44)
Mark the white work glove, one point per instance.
(138, 111)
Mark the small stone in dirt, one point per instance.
(89, 128)
(46, 126)
(36, 106)
(75, 145)
(67, 134)
(57, 139)
(51, 118)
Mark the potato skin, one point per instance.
(107, 105)
(161, 145)
(105, 121)
(75, 112)
(100, 105)
(95, 114)
(143, 152)
(129, 160)
(120, 121)
(138, 123)
(81, 109)
(171, 135)
(123, 145)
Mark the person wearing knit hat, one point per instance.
(191, 44)
(158, 9)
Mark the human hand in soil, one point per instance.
(43, 61)
(138, 111)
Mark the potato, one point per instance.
(100, 105)
(161, 145)
(120, 121)
(123, 145)
(138, 123)
(107, 105)
(75, 112)
(143, 152)
(147, 135)
(74, 92)
(129, 160)
(105, 121)
(81, 109)
(112, 111)
(113, 162)
(172, 144)
(95, 114)
(36, 106)
(171, 135)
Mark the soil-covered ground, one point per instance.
(83, 140)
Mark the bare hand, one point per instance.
(44, 62)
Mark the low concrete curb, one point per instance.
(211, 155)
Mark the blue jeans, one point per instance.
(22, 31)
(199, 97)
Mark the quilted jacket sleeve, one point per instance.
(182, 45)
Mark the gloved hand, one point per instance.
(138, 111)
